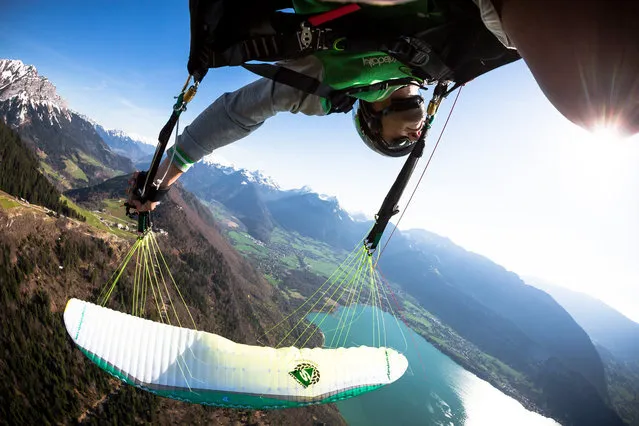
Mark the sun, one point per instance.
(606, 135)
(600, 162)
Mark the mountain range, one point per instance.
(487, 305)
(47, 258)
(70, 150)
(259, 203)
(561, 370)
(124, 144)
(606, 327)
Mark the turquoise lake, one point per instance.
(433, 391)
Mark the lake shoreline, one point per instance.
(454, 391)
(470, 367)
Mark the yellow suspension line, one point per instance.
(390, 305)
(155, 283)
(352, 302)
(381, 301)
(343, 287)
(355, 277)
(177, 288)
(136, 285)
(360, 287)
(147, 275)
(107, 290)
(302, 318)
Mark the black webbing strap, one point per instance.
(389, 206)
(341, 100)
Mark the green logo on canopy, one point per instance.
(305, 374)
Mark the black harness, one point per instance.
(235, 32)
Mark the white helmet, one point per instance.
(368, 124)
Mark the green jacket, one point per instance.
(345, 69)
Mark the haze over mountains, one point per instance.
(561, 371)
(125, 145)
(605, 326)
(486, 304)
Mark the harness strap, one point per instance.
(341, 100)
(274, 47)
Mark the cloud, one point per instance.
(101, 86)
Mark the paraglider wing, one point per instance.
(204, 368)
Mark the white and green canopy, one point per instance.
(205, 368)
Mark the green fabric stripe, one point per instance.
(84, 308)
(180, 159)
(224, 399)
(183, 155)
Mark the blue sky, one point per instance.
(512, 179)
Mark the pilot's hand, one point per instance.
(152, 199)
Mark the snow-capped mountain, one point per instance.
(258, 178)
(241, 191)
(21, 81)
(361, 217)
(125, 144)
(71, 152)
(75, 146)
(259, 202)
(266, 183)
(23, 89)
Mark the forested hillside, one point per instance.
(19, 175)
(47, 260)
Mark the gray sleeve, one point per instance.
(235, 115)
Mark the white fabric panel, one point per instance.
(158, 355)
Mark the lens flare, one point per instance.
(607, 135)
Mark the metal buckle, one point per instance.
(414, 51)
(305, 36)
